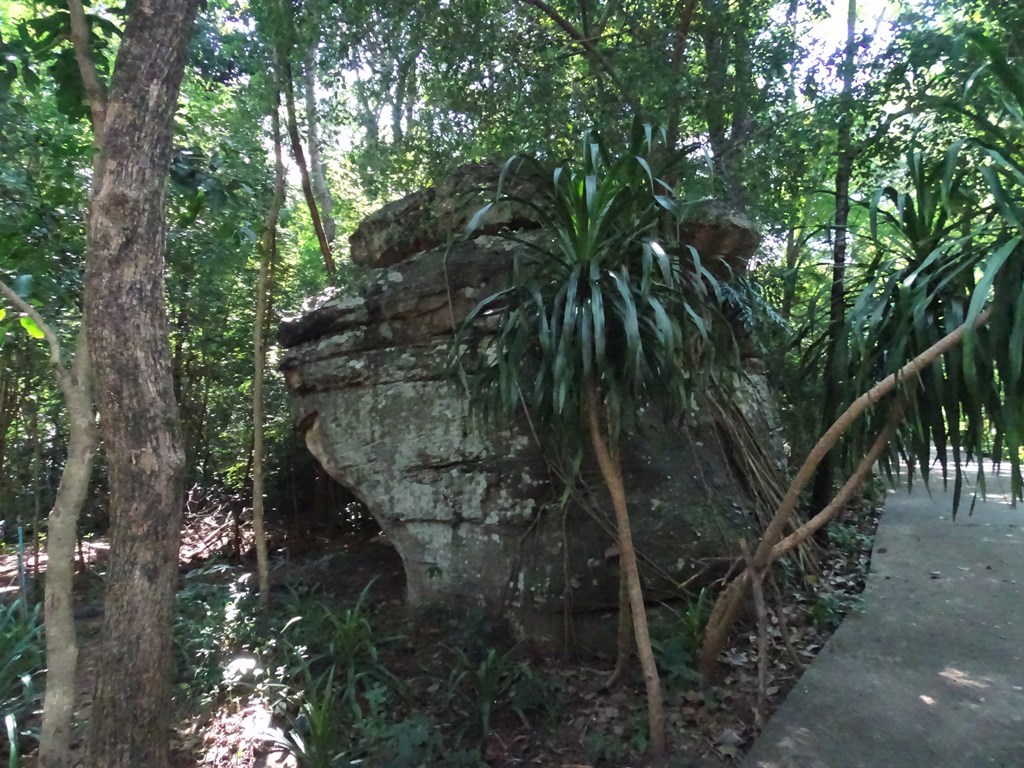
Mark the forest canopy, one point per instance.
(877, 146)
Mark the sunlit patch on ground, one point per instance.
(240, 738)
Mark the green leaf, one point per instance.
(992, 269)
(31, 328)
(476, 222)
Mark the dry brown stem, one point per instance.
(727, 607)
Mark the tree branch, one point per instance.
(56, 358)
(586, 43)
(609, 8)
(94, 90)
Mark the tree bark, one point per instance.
(612, 474)
(836, 353)
(125, 313)
(12, 394)
(317, 173)
(94, 92)
(686, 10)
(61, 647)
(622, 644)
(300, 160)
(260, 357)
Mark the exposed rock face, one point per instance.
(472, 510)
(433, 216)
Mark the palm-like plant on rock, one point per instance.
(606, 311)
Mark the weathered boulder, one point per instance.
(435, 215)
(472, 509)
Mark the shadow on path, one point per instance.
(930, 673)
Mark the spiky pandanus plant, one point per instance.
(951, 303)
(961, 224)
(605, 312)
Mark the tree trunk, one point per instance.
(686, 10)
(37, 495)
(259, 355)
(317, 173)
(61, 650)
(623, 635)
(12, 392)
(300, 161)
(125, 314)
(727, 67)
(612, 474)
(835, 359)
(729, 602)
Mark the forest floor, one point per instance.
(429, 684)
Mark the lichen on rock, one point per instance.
(471, 509)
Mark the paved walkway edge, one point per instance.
(930, 672)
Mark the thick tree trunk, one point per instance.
(260, 357)
(125, 315)
(612, 474)
(836, 353)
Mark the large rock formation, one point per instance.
(473, 510)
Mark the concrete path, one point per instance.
(930, 674)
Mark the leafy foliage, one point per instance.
(315, 739)
(608, 294)
(22, 661)
(953, 259)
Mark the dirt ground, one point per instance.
(709, 727)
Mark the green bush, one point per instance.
(22, 660)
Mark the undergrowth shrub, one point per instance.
(325, 672)
(22, 662)
(676, 641)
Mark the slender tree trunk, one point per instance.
(730, 600)
(835, 359)
(726, 149)
(12, 392)
(259, 355)
(125, 313)
(300, 161)
(317, 172)
(61, 649)
(623, 634)
(612, 474)
(37, 500)
(686, 10)
(794, 235)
